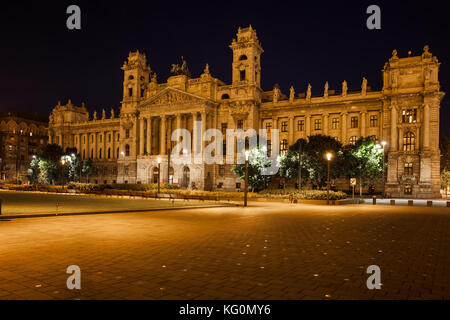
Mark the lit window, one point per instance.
(353, 140)
(354, 122)
(335, 123)
(408, 169)
(240, 124)
(284, 146)
(317, 124)
(300, 125)
(284, 126)
(268, 126)
(409, 116)
(409, 141)
(374, 121)
(127, 150)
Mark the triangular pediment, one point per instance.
(170, 96)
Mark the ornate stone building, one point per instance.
(405, 114)
(22, 135)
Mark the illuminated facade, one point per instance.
(405, 114)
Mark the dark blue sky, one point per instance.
(41, 61)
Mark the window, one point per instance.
(238, 185)
(268, 126)
(374, 138)
(221, 170)
(142, 92)
(117, 153)
(353, 140)
(92, 139)
(300, 125)
(284, 146)
(336, 138)
(109, 153)
(130, 92)
(408, 169)
(224, 148)
(220, 185)
(100, 153)
(125, 170)
(408, 189)
(284, 126)
(101, 137)
(127, 133)
(409, 141)
(224, 128)
(225, 96)
(242, 75)
(84, 139)
(240, 124)
(409, 116)
(243, 57)
(109, 137)
(373, 121)
(317, 124)
(335, 123)
(354, 122)
(130, 77)
(127, 150)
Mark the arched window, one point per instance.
(243, 57)
(353, 140)
(117, 153)
(225, 96)
(127, 150)
(409, 141)
(109, 153)
(100, 153)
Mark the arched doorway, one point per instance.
(186, 177)
(171, 171)
(155, 174)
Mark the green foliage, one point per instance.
(257, 161)
(34, 171)
(364, 160)
(445, 178)
(444, 146)
(302, 194)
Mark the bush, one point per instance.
(302, 194)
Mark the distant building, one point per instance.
(22, 134)
(125, 148)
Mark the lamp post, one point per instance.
(247, 153)
(383, 143)
(63, 162)
(159, 174)
(123, 159)
(329, 155)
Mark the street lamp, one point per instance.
(329, 155)
(123, 159)
(247, 153)
(63, 162)
(383, 143)
(159, 174)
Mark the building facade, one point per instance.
(22, 135)
(125, 149)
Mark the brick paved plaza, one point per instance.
(265, 251)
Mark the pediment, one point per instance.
(171, 96)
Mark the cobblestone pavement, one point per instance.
(265, 251)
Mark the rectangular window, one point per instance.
(221, 170)
(242, 75)
(240, 124)
(317, 124)
(300, 125)
(268, 126)
(127, 133)
(354, 122)
(284, 146)
(374, 121)
(408, 169)
(269, 148)
(335, 123)
(224, 128)
(409, 116)
(130, 92)
(238, 185)
(284, 126)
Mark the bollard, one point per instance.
(392, 202)
(410, 202)
(429, 203)
(374, 200)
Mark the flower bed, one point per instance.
(302, 194)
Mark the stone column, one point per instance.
(325, 124)
(363, 124)
(204, 128)
(141, 136)
(105, 154)
(393, 128)
(426, 127)
(113, 145)
(162, 136)
(308, 125)
(291, 130)
(95, 146)
(194, 133)
(149, 135)
(344, 128)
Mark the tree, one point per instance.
(444, 146)
(87, 168)
(315, 162)
(364, 160)
(49, 162)
(292, 161)
(445, 180)
(34, 171)
(256, 163)
(72, 164)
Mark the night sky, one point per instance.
(41, 61)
